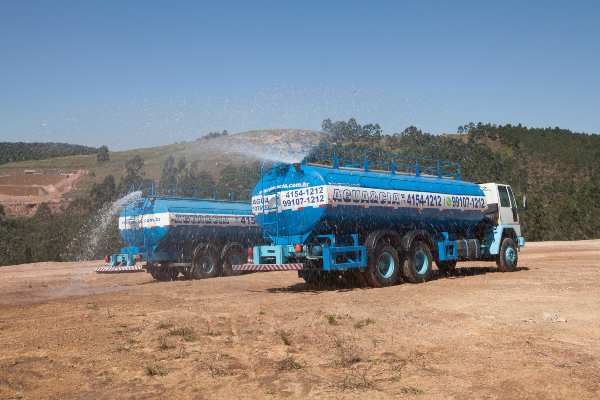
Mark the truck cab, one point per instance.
(501, 196)
(504, 212)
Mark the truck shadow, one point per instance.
(341, 285)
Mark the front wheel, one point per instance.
(417, 266)
(383, 267)
(508, 257)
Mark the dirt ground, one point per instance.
(21, 194)
(68, 333)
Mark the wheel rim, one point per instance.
(386, 265)
(207, 265)
(510, 255)
(421, 262)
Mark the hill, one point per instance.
(211, 154)
(21, 151)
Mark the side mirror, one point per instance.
(524, 203)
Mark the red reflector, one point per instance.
(250, 255)
(106, 259)
(298, 248)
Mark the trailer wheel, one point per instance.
(383, 266)
(354, 278)
(165, 274)
(417, 266)
(187, 273)
(508, 257)
(446, 267)
(205, 264)
(233, 256)
(311, 277)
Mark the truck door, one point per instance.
(508, 206)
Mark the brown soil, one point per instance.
(22, 194)
(66, 332)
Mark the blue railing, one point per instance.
(397, 165)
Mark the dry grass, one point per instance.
(363, 322)
(289, 363)
(285, 336)
(347, 352)
(164, 325)
(186, 332)
(155, 369)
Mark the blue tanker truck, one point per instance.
(380, 227)
(168, 236)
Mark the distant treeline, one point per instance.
(21, 151)
(557, 169)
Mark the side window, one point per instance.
(512, 197)
(504, 199)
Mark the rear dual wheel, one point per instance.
(205, 263)
(164, 274)
(417, 266)
(383, 267)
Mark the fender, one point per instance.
(228, 247)
(374, 237)
(419, 234)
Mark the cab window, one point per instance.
(512, 197)
(504, 199)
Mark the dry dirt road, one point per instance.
(68, 333)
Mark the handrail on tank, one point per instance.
(422, 166)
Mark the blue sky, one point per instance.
(131, 74)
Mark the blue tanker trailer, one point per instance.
(168, 236)
(380, 226)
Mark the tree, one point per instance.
(134, 175)
(341, 130)
(102, 155)
(168, 177)
(104, 192)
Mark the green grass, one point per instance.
(332, 319)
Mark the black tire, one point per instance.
(164, 274)
(417, 266)
(234, 255)
(383, 266)
(187, 272)
(354, 278)
(446, 267)
(508, 257)
(311, 276)
(205, 264)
